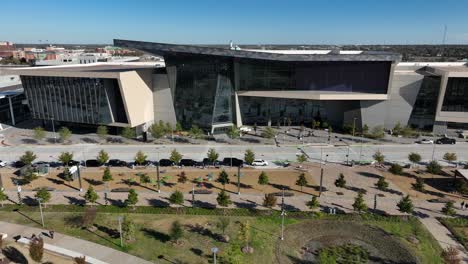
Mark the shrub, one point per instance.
(448, 209)
(212, 155)
(176, 232)
(379, 157)
(128, 228)
(102, 132)
(182, 177)
(158, 130)
(249, 156)
(414, 157)
(314, 203)
(450, 157)
(405, 205)
(102, 157)
(195, 132)
(396, 169)
(268, 132)
(223, 199)
(140, 157)
(44, 195)
(91, 196)
(65, 158)
(269, 200)
(302, 158)
(223, 223)
(382, 184)
(340, 182)
(434, 167)
(359, 205)
(64, 134)
(176, 198)
(28, 157)
(175, 156)
(36, 249)
(107, 176)
(419, 184)
(39, 133)
(223, 178)
(301, 181)
(128, 133)
(132, 198)
(263, 178)
(233, 132)
(376, 133)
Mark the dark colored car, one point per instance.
(445, 140)
(166, 163)
(207, 162)
(73, 163)
(92, 163)
(144, 163)
(199, 164)
(187, 162)
(117, 163)
(18, 164)
(235, 162)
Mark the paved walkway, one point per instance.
(87, 248)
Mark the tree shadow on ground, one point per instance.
(280, 186)
(156, 235)
(317, 188)
(290, 207)
(112, 233)
(247, 205)
(356, 189)
(115, 202)
(93, 182)
(27, 217)
(369, 174)
(196, 251)
(420, 214)
(441, 184)
(205, 205)
(242, 185)
(28, 200)
(29, 141)
(211, 186)
(158, 203)
(55, 181)
(14, 255)
(296, 260)
(75, 201)
(101, 237)
(89, 140)
(199, 229)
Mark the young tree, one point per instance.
(29, 176)
(178, 127)
(91, 196)
(379, 157)
(365, 129)
(128, 132)
(263, 178)
(233, 132)
(132, 198)
(3, 196)
(223, 199)
(223, 223)
(64, 134)
(450, 157)
(269, 200)
(405, 205)
(102, 132)
(140, 157)
(434, 167)
(36, 249)
(396, 169)
(39, 133)
(301, 181)
(223, 178)
(340, 182)
(244, 234)
(176, 198)
(249, 156)
(359, 205)
(157, 130)
(128, 228)
(419, 184)
(414, 157)
(28, 157)
(102, 157)
(176, 232)
(448, 209)
(314, 203)
(44, 195)
(65, 158)
(302, 158)
(66, 175)
(175, 156)
(382, 184)
(195, 132)
(144, 178)
(182, 177)
(107, 176)
(212, 155)
(268, 132)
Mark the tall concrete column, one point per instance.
(11, 111)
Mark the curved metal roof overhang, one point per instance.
(165, 49)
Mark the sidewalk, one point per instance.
(87, 248)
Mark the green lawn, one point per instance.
(152, 229)
(459, 228)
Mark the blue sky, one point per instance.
(243, 21)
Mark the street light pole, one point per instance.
(120, 218)
(354, 126)
(214, 250)
(283, 213)
(53, 129)
(40, 209)
(157, 173)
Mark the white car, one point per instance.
(2, 163)
(260, 162)
(245, 129)
(426, 141)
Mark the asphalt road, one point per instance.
(357, 152)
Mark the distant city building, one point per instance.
(216, 88)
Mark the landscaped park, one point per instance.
(363, 214)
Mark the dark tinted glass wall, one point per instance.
(358, 76)
(20, 111)
(456, 95)
(424, 109)
(78, 100)
(203, 90)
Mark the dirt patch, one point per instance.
(303, 241)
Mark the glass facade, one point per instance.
(20, 111)
(343, 76)
(456, 95)
(203, 93)
(78, 100)
(424, 109)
